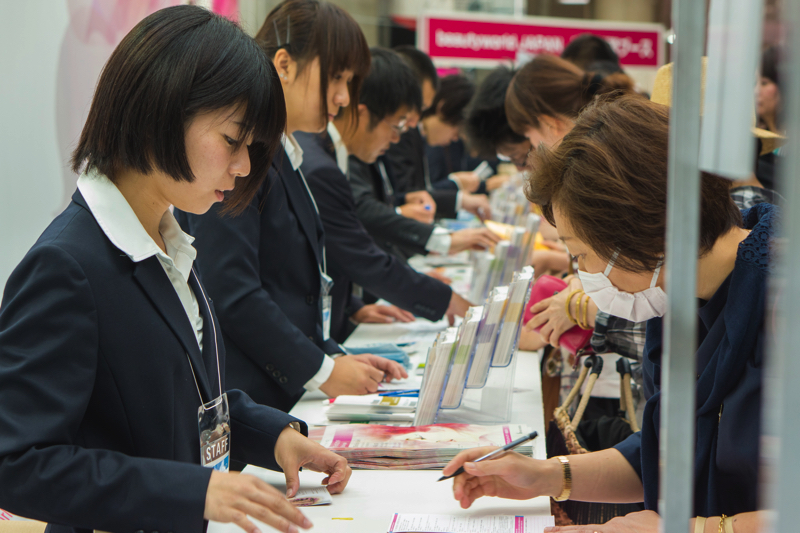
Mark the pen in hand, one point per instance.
(499, 452)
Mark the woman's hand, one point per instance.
(641, 522)
(235, 497)
(513, 476)
(551, 314)
(293, 451)
(391, 369)
(381, 314)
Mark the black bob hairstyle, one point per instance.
(307, 29)
(486, 125)
(176, 64)
(390, 85)
(451, 100)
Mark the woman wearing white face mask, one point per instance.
(604, 188)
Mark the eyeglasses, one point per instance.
(517, 160)
(399, 128)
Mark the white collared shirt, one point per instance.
(122, 227)
(293, 150)
(339, 147)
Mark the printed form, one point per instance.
(438, 523)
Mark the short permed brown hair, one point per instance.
(608, 177)
(551, 86)
(175, 65)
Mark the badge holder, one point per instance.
(326, 284)
(214, 422)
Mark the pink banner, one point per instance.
(519, 524)
(465, 39)
(342, 439)
(507, 434)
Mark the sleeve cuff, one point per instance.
(322, 374)
(452, 178)
(458, 201)
(439, 241)
(398, 211)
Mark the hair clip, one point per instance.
(277, 35)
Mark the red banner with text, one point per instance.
(466, 40)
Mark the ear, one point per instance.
(363, 112)
(285, 65)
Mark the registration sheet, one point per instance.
(439, 523)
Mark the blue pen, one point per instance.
(409, 392)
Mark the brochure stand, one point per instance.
(489, 405)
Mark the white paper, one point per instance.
(309, 497)
(436, 523)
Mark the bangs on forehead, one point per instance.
(343, 45)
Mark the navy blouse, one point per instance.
(729, 366)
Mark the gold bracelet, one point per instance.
(586, 313)
(722, 524)
(569, 301)
(567, 480)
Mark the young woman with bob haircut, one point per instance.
(267, 268)
(605, 190)
(112, 366)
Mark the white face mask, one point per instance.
(636, 307)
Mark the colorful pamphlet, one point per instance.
(486, 337)
(438, 523)
(413, 448)
(436, 366)
(462, 356)
(518, 294)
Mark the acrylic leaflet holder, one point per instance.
(469, 373)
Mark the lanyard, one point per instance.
(216, 345)
(324, 268)
(387, 184)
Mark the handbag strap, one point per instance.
(625, 394)
(596, 365)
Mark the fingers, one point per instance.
(278, 513)
(540, 306)
(392, 368)
(396, 313)
(465, 456)
(292, 482)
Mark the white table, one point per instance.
(373, 496)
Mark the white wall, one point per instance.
(31, 183)
(51, 54)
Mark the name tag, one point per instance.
(214, 423)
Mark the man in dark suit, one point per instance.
(352, 254)
(437, 125)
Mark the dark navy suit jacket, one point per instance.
(352, 254)
(262, 270)
(408, 162)
(98, 426)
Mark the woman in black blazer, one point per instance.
(110, 352)
(265, 267)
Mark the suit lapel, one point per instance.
(303, 208)
(154, 282)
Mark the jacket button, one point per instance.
(310, 300)
(283, 379)
(270, 367)
(311, 338)
(276, 373)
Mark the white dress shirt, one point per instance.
(122, 227)
(295, 154)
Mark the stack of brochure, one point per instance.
(436, 366)
(413, 448)
(462, 355)
(531, 228)
(513, 255)
(498, 264)
(481, 267)
(518, 293)
(486, 337)
(371, 407)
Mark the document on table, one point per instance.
(309, 497)
(439, 523)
